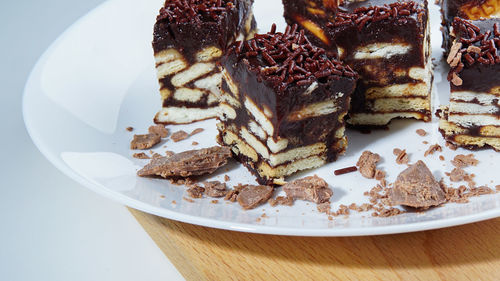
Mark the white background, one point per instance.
(51, 228)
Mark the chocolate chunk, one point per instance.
(196, 191)
(462, 161)
(144, 141)
(367, 164)
(416, 187)
(179, 136)
(252, 196)
(215, 189)
(313, 189)
(188, 163)
(159, 130)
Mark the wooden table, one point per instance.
(469, 252)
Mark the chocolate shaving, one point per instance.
(462, 161)
(401, 156)
(433, 148)
(196, 131)
(252, 196)
(313, 189)
(188, 163)
(179, 136)
(144, 141)
(367, 163)
(159, 130)
(421, 132)
(195, 191)
(141, 155)
(215, 189)
(281, 200)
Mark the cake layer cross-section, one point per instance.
(283, 104)
(472, 119)
(190, 36)
(387, 42)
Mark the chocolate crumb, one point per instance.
(159, 130)
(140, 155)
(214, 201)
(313, 189)
(144, 141)
(227, 178)
(232, 195)
(441, 157)
(433, 148)
(388, 212)
(462, 161)
(252, 196)
(188, 200)
(324, 207)
(416, 187)
(215, 189)
(457, 174)
(194, 143)
(195, 191)
(345, 170)
(179, 136)
(401, 156)
(421, 132)
(196, 131)
(425, 142)
(379, 175)
(174, 202)
(130, 129)
(162, 196)
(188, 163)
(367, 163)
(281, 200)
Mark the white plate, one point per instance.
(98, 78)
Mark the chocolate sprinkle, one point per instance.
(287, 58)
(194, 11)
(473, 47)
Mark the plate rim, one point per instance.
(30, 93)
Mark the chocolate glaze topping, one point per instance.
(477, 62)
(191, 25)
(288, 58)
(361, 14)
(195, 11)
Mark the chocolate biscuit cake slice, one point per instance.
(283, 104)
(472, 119)
(190, 36)
(388, 43)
